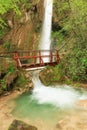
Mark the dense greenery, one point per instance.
(72, 18)
(14, 5)
(5, 6)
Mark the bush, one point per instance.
(3, 85)
(7, 45)
(75, 65)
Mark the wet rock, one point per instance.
(27, 88)
(31, 85)
(20, 125)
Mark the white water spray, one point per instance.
(59, 96)
(46, 30)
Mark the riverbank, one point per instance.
(5, 108)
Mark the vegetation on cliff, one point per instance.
(20, 24)
(71, 20)
(13, 79)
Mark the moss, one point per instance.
(20, 125)
(21, 79)
(52, 75)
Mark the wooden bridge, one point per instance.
(33, 58)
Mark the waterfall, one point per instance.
(45, 40)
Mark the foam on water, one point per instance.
(59, 96)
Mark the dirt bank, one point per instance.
(5, 108)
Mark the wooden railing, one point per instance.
(33, 58)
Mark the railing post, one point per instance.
(40, 58)
(51, 56)
(35, 58)
(16, 58)
(57, 56)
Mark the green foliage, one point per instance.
(2, 32)
(2, 23)
(5, 6)
(25, 4)
(57, 38)
(72, 17)
(3, 85)
(11, 69)
(76, 65)
(17, 6)
(52, 75)
(58, 73)
(22, 80)
(7, 45)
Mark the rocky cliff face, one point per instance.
(24, 31)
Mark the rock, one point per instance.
(84, 85)
(10, 79)
(82, 103)
(6, 94)
(1, 91)
(61, 123)
(31, 85)
(20, 125)
(27, 75)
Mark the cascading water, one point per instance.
(59, 96)
(46, 30)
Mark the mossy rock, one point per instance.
(51, 76)
(20, 125)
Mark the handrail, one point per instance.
(26, 51)
(35, 55)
